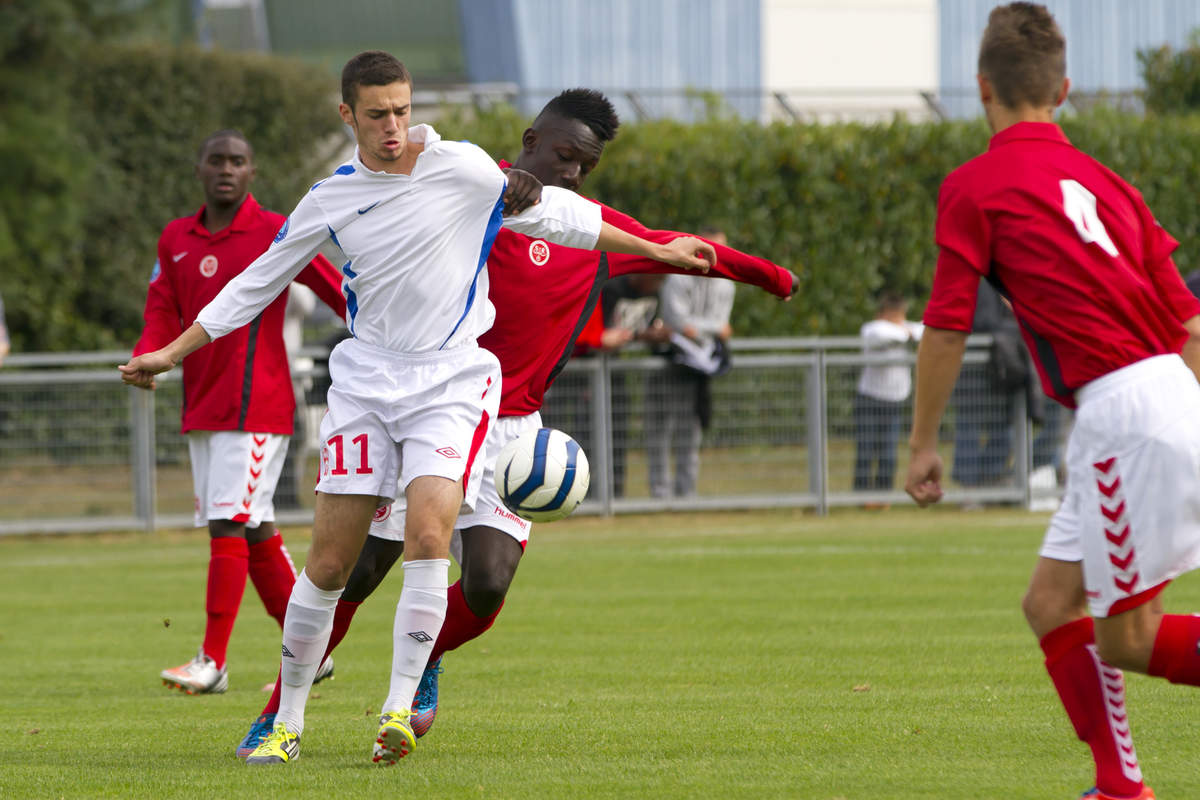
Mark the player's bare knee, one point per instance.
(485, 595)
(1122, 653)
(1046, 608)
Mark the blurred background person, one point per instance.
(883, 388)
(695, 310)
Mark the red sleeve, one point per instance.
(1159, 245)
(955, 291)
(325, 279)
(962, 227)
(590, 337)
(962, 233)
(162, 315)
(732, 264)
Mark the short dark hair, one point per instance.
(589, 107)
(891, 300)
(1024, 55)
(224, 133)
(371, 68)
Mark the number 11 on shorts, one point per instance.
(337, 444)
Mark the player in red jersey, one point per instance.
(544, 295)
(1116, 334)
(238, 401)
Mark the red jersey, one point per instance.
(240, 381)
(544, 295)
(1071, 245)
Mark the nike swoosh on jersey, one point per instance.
(175, 258)
(368, 208)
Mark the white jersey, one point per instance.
(413, 247)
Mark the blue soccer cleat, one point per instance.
(258, 734)
(425, 701)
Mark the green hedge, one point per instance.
(94, 171)
(98, 161)
(849, 207)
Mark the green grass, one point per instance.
(756, 655)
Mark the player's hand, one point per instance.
(140, 370)
(924, 481)
(523, 191)
(795, 286)
(690, 253)
(656, 332)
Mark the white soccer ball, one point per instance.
(542, 475)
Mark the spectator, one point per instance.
(679, 398)
(985, 397)
(630, 308)
(883, 387)
(238, 398)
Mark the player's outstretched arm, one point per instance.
(939, 358)
(686, 252)
(140, 370)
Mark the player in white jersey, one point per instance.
(412, 395)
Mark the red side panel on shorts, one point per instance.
(1135, 600)
(476, 442)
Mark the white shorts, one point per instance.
(234, 474)
(394, 417)
(1131, 511)
(489, 511)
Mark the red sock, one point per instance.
(227, 565)
(1093, 694)
(1176, 654)
(342, 616)
(273, 573)
(461, 625)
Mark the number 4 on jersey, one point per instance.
(1080, 207)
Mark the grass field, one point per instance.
(757, 655)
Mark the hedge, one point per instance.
(85, 199)
(849, 207)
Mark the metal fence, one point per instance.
(79, 451)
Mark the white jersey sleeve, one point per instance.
(243, 298)
(562, 217)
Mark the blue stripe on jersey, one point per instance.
(351, 297)
(489, 236)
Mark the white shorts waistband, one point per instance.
(1135, 372)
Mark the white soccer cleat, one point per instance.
(198, 676)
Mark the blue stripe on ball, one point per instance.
(537, 475)
(567, 481)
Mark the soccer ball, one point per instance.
(542, 475)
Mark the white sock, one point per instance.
(419, 617)
(306, 628)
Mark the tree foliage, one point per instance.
(97, 151)
(1172, 77)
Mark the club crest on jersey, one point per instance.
(539, 252)
(208, 266)
(382, 513)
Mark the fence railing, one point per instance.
(79, 451)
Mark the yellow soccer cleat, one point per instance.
(395, 739)
(280, 747)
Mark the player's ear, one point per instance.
(985, 89)
(347, 114)
(1063, 92)
(529, 140)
